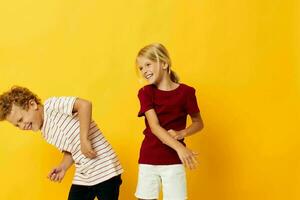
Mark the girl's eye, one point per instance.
(148, 64)
(140, 68)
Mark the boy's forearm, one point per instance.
(85, 115)
(67, 160)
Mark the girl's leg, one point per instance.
(108, 190)
(147, 199)
(80, 192)
(149, 182)
(174, 182)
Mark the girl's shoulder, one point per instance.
(187, 87)
(146, 88)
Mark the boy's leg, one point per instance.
(108, 190)
(81, 192)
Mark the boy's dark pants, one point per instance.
(107, 190)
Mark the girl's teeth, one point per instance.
(148, 76)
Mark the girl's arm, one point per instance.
(84, 109)
(187, 157)
(196, 126)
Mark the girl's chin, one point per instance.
(151, 81)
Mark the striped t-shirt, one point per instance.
(61, 129)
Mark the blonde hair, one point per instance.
(18, 96)
(157, 52)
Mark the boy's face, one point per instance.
(31, 119)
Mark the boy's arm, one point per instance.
(196, 126)
(58, 173)
(186, 156)
(67, 160)
(84, 109)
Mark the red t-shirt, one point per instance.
(172, 108)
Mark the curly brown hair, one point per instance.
(19, 96)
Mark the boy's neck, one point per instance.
(41, 109)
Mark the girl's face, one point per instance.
(150, 70)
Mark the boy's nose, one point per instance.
(22, 126)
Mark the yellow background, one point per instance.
(241, 56)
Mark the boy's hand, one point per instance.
(177, 135)
(86, 148)
(57, 174)
(187, 157)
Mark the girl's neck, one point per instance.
(166, 84)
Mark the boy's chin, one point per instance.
(35, 129)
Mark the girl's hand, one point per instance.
(177, 135)
(187, 157)
(56, 174)
(86, 148)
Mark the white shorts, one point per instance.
(171, 177)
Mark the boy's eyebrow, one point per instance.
(20, 119)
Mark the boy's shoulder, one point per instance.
(50, 100)
(59, 100)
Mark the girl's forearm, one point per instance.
(165, 137)
(193, 128)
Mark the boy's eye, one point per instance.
(148, 64)
(140, 68)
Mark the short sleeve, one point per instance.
(61, 104)
(146, 100)
(191, 103)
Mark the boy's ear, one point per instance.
(32, 104)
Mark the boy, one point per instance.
(65, 122)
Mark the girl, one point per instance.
(165, 103)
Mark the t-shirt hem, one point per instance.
(99, 181)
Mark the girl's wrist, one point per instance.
(179, 147)
(184, 132)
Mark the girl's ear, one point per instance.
(165, 66)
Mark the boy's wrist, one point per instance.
(83, 137)
(63, 166)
